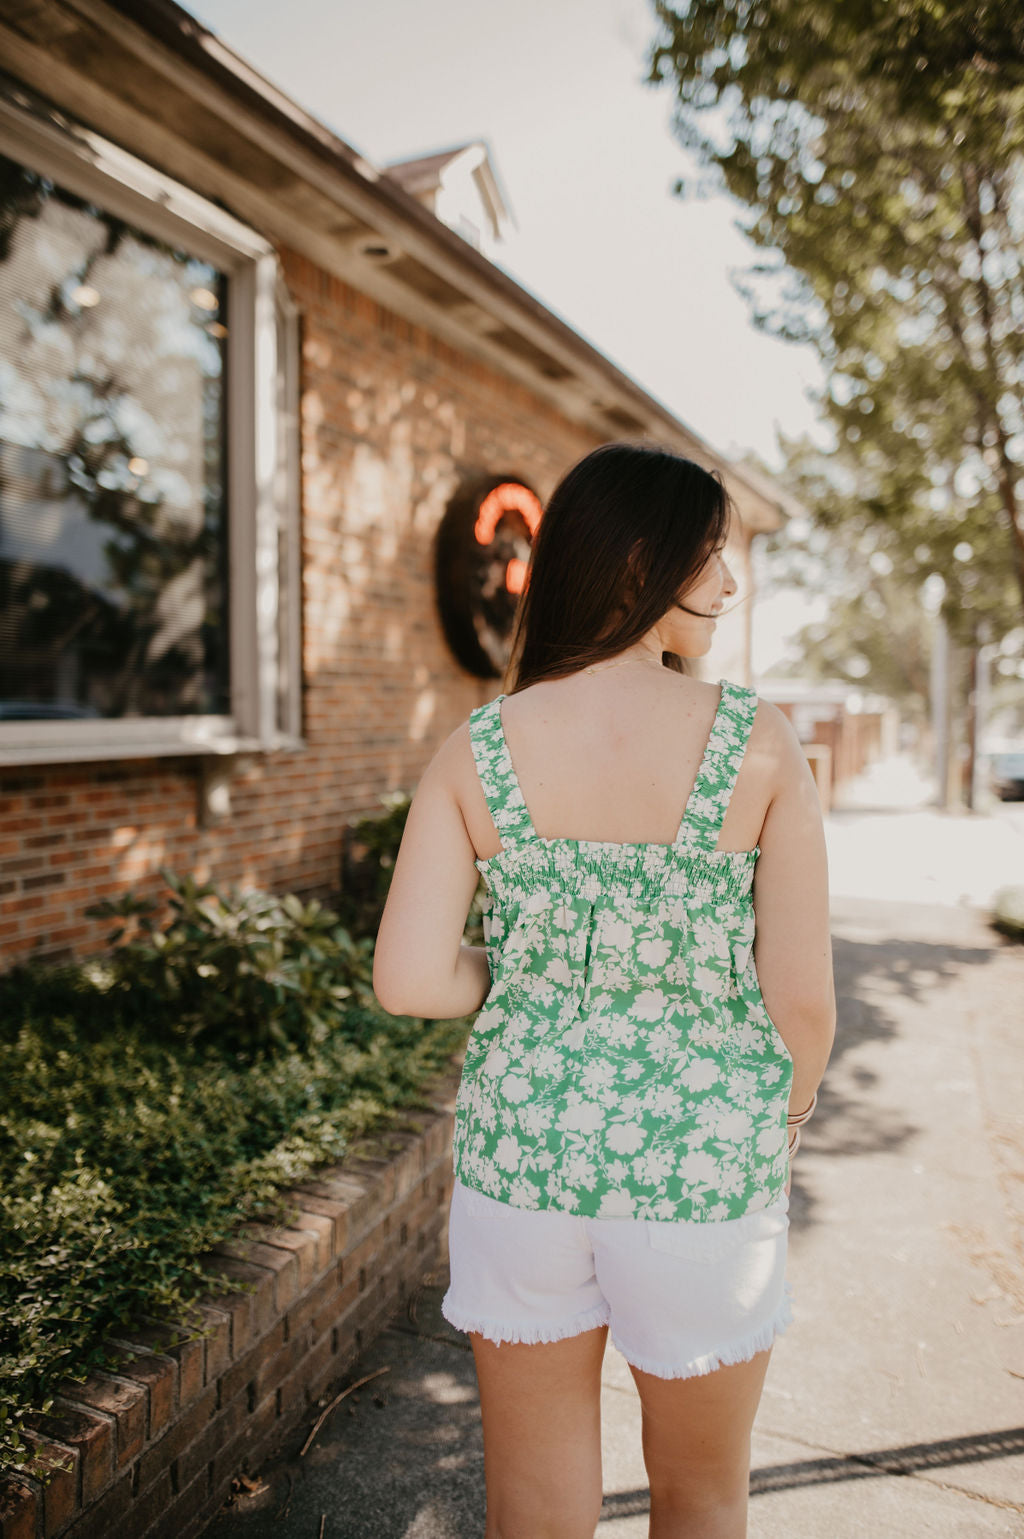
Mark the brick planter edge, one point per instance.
(155, 1445)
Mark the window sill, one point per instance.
(110, 747)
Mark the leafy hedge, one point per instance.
(157, 1097)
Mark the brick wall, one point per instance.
(154, 1445)
(391, 418)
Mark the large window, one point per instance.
(148, 518)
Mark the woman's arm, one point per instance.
(793, 945)
(421, 965)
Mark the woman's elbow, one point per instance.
(387, 989)
(807, 1017)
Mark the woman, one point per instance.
(622, 1140)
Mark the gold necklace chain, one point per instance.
(602, 667)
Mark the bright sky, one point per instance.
(586, 157)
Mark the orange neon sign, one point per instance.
(509, 497)
(515, 575)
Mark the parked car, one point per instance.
(1006, 775)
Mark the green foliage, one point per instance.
(875, 150)
(148, 1112)
(871, 638)
(371, 849)
(252, 970)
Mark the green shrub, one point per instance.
(369, 852)
(370, 849)
(157, 1097)
(251, 969)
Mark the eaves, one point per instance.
(147, 75)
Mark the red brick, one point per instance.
(303, 1244)
(292, 1393)
(366, 1200)
(336, 1309)
(189, 1504)
(20, 1508)
(373, 1309)
(261, 1290)
(263, 1422)
(185, 1430)
(271, 1257)
(238, 1307)
(314, 1299)
(408, 1169)
(216, 1342)
(56, 1469)
(119, 1398)
(93, 1437)
(376, 1249)
(424, 1210)
(304, 1220)
(220, 1430)
(22, 864)
(317, 1368)
(104, 1518)
(377, 1174)
(275, 1369)
(43, 882)
(184, 1510)
(191, 1356)
(247, 1449)
(149, 1505)
(330, 1208)
(177, 1342)
(235, 1381)
(158, 1373)
(436, 1141)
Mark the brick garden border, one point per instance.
(155, 1444)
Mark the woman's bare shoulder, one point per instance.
(774, 727)
(455, 750)
(775, 744)
(454, 764)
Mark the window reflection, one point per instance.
(113, 527)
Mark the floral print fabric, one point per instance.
(623, 1063)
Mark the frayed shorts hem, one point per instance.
(530, 1334)
(681, 1300)
(740, 1351)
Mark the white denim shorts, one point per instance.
(681, 1298)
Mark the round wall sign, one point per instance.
(483, 546)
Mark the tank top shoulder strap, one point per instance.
(719, 768)
(497, 774)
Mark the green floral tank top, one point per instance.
(623, 1063)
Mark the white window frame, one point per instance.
(264, 577)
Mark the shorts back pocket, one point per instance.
(696, 1240)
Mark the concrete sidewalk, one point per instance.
(894, 1403)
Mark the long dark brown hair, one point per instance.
(625, 532)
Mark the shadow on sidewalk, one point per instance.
(880, 954)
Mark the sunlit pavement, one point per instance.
(887, 840)
(894, 1402)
